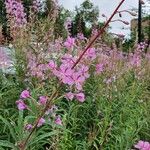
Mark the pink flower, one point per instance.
(78, 80)
(42, 100)
(52, 64)
(84, 71)
(66, 74)
(58, 120)
(25, 94)
(99, 68)
(15, 10)
(68, 59)
(91, 53)
(21, 105)
(28, 127)
(81, 36)
(36, 5)
(69, 96)
(135, 60)
(66, 70)
(41, 122)
(80, 97)
(142, 145)
(69, 43)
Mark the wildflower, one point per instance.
(52, 64)
(66, 74)
(35, 68)
(135, 61)
(84, 71)
(25, 94)
(100, 68)
(42, 100)
(69, 96)
(36, 5)
(58, 120)
(41, 122)
(91, 53)
(21, 105)
(69, 43)
(81, 36)
(78, 80)
(80, 97)
(68, 59)
(28, 127)
(15, 10)
(142, 145)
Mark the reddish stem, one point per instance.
(23, 145)
(99, 33)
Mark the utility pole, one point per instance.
(140, 22)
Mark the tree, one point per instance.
(86, 17)
(60, 31)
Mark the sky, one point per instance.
(107, 7)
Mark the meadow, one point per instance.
(71, 93)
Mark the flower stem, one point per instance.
(101, 31)
(22, 146)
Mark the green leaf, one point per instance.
(10, 127)
(20, 122)
(41, 137)
(4, 143)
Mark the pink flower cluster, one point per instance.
(15, 10)
(43, 100)
(135, 60)
(142, 145)
(69, 43)
(142, 46)
(42, 121)
(80, 36)
(36, 69)
(73, 77)
(58, 120)
(36, 5)
(79, 96)
(100, 68)
(21, 104)
(90, 54)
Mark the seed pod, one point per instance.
(120, 15)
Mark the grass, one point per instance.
(114, 117)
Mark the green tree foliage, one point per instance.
(2, 12)
(59, 30)
(86, 17)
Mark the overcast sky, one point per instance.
(107, 7)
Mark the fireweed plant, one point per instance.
(15, 12)
(71, 73)
(61, 106)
